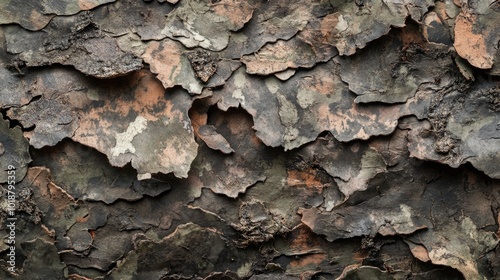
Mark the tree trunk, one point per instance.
(231, 139)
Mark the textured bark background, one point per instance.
(260, 139)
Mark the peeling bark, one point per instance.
(229, 139)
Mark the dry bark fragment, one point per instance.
(153, 124)
(190, 250)
(204, 65)
(52, 212)
(302, 252)
(155, 134)
(75, 41)
(82, 233)
(452, 137)
(65, 8)
(16, 11)
(476, 33)
(97, 261)
(402, 62)
(357, 23)
(158, 216)
(123, 227)
(257, 224)
(273, 20)
(456, 249)
(213, 139)
(206, 24)
(87, 175)
(283, 55)
(13, 91)
(351, 165)
(60, 211)
(285, 75)
(281, 193)
(374, 223)
(294, 112)
(42, 260)
(6, 59)
(233, 173)
(49, 117)
(175, 65)
(14, 154)
(36, 15)
(166, 58)
(128, 16)
(52, 120)
(414, 193)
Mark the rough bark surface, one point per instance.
(231, 139)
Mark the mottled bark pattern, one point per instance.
(233, 139)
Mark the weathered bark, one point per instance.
(230, 139)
